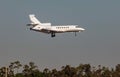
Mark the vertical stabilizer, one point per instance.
(33, 19)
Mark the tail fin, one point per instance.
(33, 19)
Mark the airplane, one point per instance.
(36, 25)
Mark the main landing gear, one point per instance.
(75, 34)
(52, 34)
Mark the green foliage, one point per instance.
(83, 70)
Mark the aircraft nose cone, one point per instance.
(81, 29)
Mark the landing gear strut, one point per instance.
(52, 34)
(75, 34)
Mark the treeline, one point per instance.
(83, 70)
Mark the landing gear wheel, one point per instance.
(53, 34)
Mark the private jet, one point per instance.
(36, 25)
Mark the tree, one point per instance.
(2, 72)
(26, 70)
(83, 70)
(30, 70)
(13, 66)
(117, 71)
(17, 65)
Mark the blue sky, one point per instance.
(98, 44)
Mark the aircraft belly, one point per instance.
(63, 31)
(72, 30)
(45, 31)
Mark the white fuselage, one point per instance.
(68, 28)
(57, 29)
